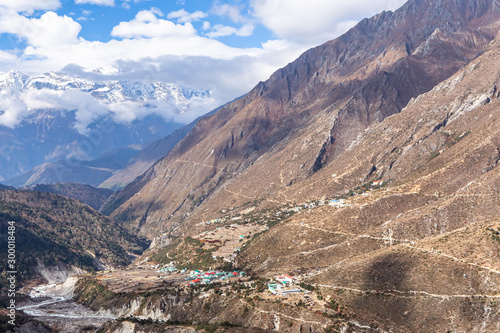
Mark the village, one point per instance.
(151, 277)
(284, 288)
(230, 236)
(234, 217)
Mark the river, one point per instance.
(53, 305)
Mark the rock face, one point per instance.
(307, 114)
(189, 307)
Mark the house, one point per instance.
(337, 203)
(289, 278)
(290, 291)
(272, 288)
(285, 279)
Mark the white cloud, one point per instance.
(88, 110)
(228, 78)
(147, 24)
(12, 112)
(28, 6)
(49, 30)
(231, 11)
(183, 16)
(245, 30)
(125, 3)
(315, 21)
(234, 13)
(220, 30)
(96, 2)
(85, 16)
(7, 57)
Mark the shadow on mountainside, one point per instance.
(385, 275)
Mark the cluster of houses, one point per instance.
(284, 285)
(309, 205)
(170, 268)
(200, 277)
(219, 220)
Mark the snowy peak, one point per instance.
(14, 83)
(51, 116)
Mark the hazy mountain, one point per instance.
(92, 172)
(4, 187)
(308, 113)
(148, 156)
(94, 197)
(56, 116)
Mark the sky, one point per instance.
(226, 46)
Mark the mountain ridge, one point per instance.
(252, 148)
(89, 117)
(59, 232)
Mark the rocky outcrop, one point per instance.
(197, 308)
(58, 273)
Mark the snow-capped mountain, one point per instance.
(56, 116)
(14, 83)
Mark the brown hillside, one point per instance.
(296, 123)
(421, 250)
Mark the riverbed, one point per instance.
(53, 305)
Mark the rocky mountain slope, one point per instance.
(56, 116)
(307, 114)
(148, 156)
(423, 248)
(55, 234)
(411, 242)
(396, 125)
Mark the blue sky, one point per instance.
(98, 21)
(227, 46)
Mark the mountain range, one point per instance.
(395, 124)
(308, 113)
(368, 167)
(58, 120)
